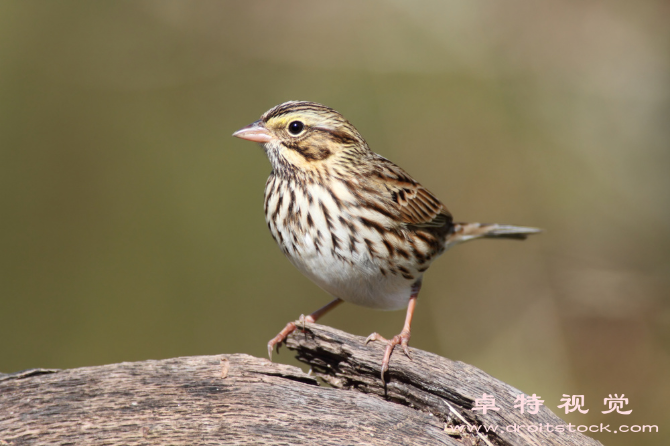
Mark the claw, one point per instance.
(277, 340)
(302, 319)
(375, 337)
(290, 327)
(402, 339)
(405, 350)
(274, 344)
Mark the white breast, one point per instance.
(357, 280)
(344, 259)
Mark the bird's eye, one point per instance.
(295, 127)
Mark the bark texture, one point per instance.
(240, 400)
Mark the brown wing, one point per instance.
(417, 206)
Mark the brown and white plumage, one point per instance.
(356, 224)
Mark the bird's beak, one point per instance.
(255, 132)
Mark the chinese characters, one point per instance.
(531, 404)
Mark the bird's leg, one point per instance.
(290, 327)
(403, 337)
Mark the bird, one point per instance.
(350, 220)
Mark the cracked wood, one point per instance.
(240, 400)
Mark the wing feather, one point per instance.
(416, 206)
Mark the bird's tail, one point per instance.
(463, 232)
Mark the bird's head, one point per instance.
(305, 137)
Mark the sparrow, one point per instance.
(353, 222)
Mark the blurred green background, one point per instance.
(132, 223)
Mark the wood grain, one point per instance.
(242, 400)
(429, 383)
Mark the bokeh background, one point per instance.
(131, 221)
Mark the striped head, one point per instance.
(304, 137)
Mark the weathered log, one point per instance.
(239, 399)
(432, 384)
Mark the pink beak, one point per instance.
(254, 132)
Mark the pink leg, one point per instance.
(290, 327)
(402, 338)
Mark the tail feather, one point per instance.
(464, 232)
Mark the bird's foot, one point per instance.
(290, 328)
(402, 339)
